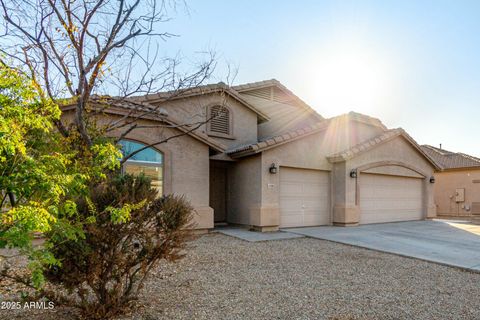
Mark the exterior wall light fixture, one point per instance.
(353, 173)
(273, 169)
(432, 179)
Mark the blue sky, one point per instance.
(413, 64)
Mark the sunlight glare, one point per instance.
(349, 79)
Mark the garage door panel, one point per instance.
(390, 198)
(291, 220)
(290, 188)
(304, 197)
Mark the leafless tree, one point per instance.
(79, 49)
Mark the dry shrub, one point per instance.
(104, 271)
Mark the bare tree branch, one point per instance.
(76, 49)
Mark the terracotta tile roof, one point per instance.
(451, 160)
(200, 90)
(271, 142)
(145, 110)
(108, 103)
(378, 140)
(104, 103)
(129, 104)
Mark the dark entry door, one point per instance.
(218, 191)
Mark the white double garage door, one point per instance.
(305, 198)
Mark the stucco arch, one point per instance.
(391, 163)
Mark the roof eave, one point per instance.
(162, 118)
(277, 141)
(348, 154)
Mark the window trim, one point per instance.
(230, 123)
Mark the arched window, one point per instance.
(148, 162)
(220, 122)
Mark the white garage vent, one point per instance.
(220, 120)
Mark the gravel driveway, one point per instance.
(226, 278)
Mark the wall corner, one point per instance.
(346, 215)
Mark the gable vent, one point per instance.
(282, 97)
(220, 120)
(264, 93)
(272, 94)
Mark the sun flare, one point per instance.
(349, 80)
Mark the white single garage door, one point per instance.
(304, 197)
(386, 198)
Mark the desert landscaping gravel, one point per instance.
(227, 278)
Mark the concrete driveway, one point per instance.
(447, 242)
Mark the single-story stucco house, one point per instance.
(457, 186)
(267, 160)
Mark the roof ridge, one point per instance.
(470, 157)
(452, 160)
(439, 150)
(199, 90)
(257, 83)
(274, 82)
(362, 116)
(371, 143)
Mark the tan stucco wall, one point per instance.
(194, 109)
(311, 152)
(391, 156)
(186, 170)
(186, 167)
(445, 187)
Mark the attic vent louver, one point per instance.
(220, 120)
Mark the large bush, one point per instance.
(128, 230)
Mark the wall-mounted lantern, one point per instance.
(353, 173)
(432, 179)
(273, 169)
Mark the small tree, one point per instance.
(35, 168)
(128, 230)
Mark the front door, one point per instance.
(218, 192)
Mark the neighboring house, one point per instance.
(457, 186)
(268, 160)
